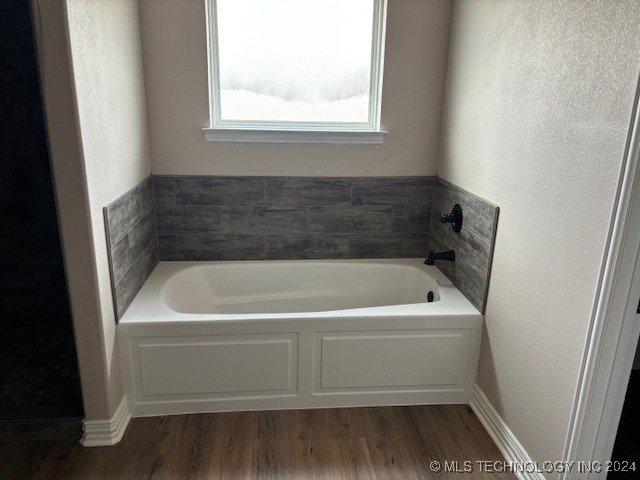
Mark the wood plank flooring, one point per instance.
(350, 443)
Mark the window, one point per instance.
(295, 70)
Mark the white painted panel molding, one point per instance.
(235, 370)
(220, 366)
(204, 367)
(399, 361)
(103, 433)
(505, 440)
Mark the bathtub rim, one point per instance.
(148, 307)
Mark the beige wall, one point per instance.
(91, 71)
(174, 50)
(104, 40)
(537, 109)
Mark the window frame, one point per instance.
(368, 132)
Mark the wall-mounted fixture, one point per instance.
(455, 218)
(449, 255)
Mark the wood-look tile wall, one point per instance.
(473, 245)
(132, 241)
(268, 218)
(258, 218)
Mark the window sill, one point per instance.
(339, 137)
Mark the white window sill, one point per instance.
(340, 137)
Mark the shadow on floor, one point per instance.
(627, 446)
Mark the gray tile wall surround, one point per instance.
(259, 218)
(473, 245)
(132, 242)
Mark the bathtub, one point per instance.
(255, 335)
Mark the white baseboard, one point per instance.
(104, 433)
(503, 437)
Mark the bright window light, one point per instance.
(296, 64)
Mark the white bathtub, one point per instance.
(249, 335)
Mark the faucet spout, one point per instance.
(449, 255)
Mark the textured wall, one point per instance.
(67, 164)
(258, 218)
(174, 50)
(538, 104)
(107, 76)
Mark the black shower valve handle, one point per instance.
(448, 218)
(454, 218)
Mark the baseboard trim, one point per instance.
(104, 433)
(503, 437)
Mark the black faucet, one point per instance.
(432, 257)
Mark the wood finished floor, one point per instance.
(351, 443)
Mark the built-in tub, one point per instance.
(248, 335)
